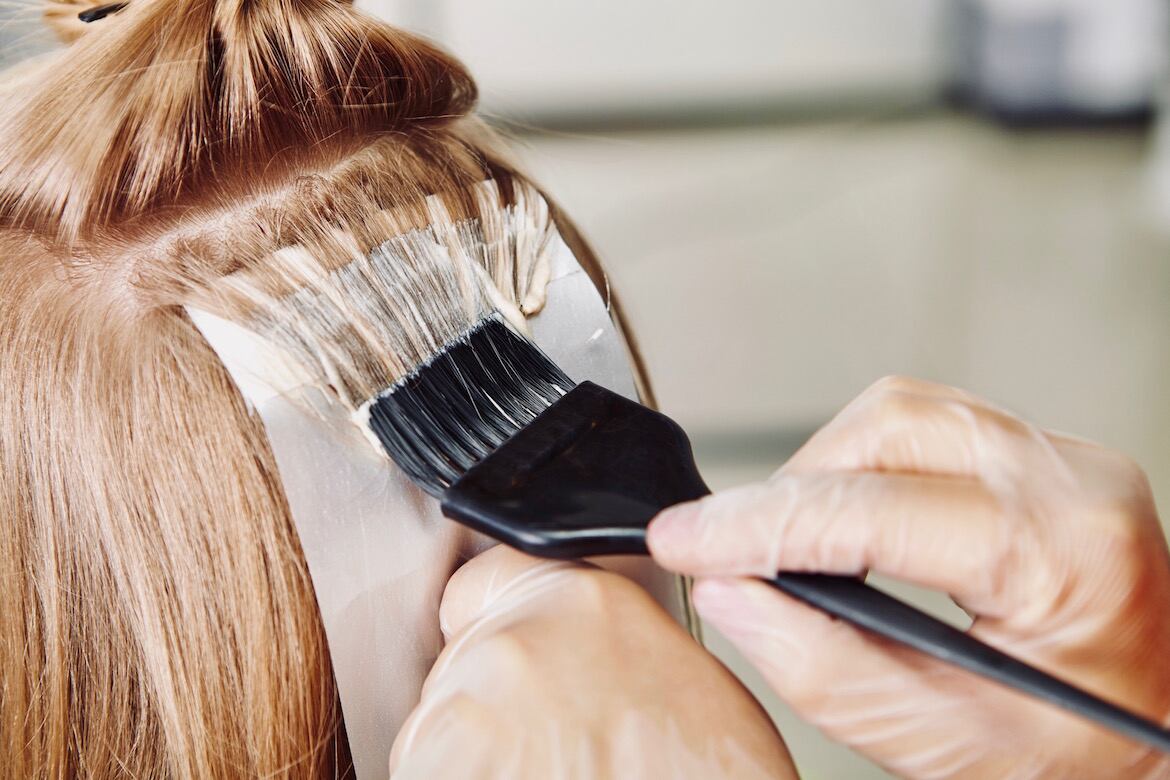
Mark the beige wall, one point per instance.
(539, 57)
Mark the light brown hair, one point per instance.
(156, 614)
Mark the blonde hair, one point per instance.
(157, 616)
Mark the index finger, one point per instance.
(944, 533)
(908, 425)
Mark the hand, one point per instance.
(559, 670)
(1051, 543)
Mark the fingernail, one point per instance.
(724, 603)
(673, 530)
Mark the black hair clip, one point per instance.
(100, 12)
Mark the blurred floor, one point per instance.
(771, 273)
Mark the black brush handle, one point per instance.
(882, 614)
(587, 476)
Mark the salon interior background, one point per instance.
(795, 198)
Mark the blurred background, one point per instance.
(795, 198)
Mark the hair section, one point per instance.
(166, 97)
(158, 619)
(376, 293)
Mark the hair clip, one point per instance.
(100, 12)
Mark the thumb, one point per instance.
(482, 585)
(936, 531)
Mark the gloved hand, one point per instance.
(559, 670)
(1051, 543)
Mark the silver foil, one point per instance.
(377, 548)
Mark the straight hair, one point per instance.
(157, 618)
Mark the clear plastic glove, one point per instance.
(1052, 544)
(559, 670)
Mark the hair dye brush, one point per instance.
(415, 336)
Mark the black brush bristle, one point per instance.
(460, 406)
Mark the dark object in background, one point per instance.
(100, 12)
(1060, 62)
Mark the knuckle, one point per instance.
(1017, 563)
(896, 408)
(894, 383)
(597, 590)
(1128, 520)
(1127, 510)
(1132, 473)
(465, 706)
(508, 653)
